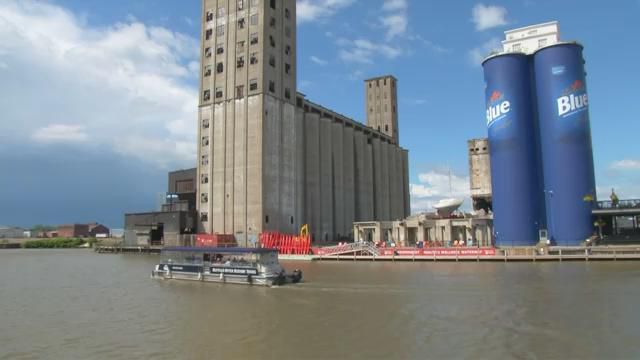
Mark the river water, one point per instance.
(75, 304)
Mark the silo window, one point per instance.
(204, 179)
(253, 85)
(292, 220)
(204, 216)
(241, 23)
(272, 86)
(266, 219)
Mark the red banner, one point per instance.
(461, 252)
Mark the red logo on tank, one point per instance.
(495, 96)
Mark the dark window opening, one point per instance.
(291, 220)
(206, 96)
(272, 22)
(253, 85)
(218, 93)
(272, 61)
(287, 49)
(273, 4)
(254, 58)
(207, 52)
(219, 67)
(287, 93)
(287, 68)
(204, 179)
(220, 49)
(272, 41)
(208, 34)
(204, 216)
(240, 62)
(205, 123)
(266, 219)
(240, 91)
(287, 14)
(253, 39)
(241, 23)
(207, 71)
(209, 16)
(272, 86)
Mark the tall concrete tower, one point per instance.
(246, 117)
(382, 105)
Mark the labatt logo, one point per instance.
(498, 107)
(574, 99)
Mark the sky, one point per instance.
(98, 99)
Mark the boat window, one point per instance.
(235, 260)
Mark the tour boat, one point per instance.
(225, 265)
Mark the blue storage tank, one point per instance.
(565, 137)
(515, 172)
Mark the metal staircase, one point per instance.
(350, 249)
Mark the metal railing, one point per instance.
(350, 248)
(622, 204)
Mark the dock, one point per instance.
(364, 252)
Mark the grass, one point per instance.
(55, 243)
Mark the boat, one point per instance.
(447, 206)
(249, 266)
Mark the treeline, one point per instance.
(55, 243)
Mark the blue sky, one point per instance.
(99, 98)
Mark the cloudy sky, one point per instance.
(98, 98)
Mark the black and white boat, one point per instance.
(226, 265)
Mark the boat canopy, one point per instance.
(228, 250)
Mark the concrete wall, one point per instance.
(405, 186)
(312, 174)
(337, 169)
(326, 181)
(349, 180)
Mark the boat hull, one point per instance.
(256, 280)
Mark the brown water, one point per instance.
(74, 304)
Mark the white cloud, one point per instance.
(318, 61)
(317, 10)
(125, 80)
(60, 133)
(433, 186)
(363, 51)
(487, 17)
(626, 164)
(395, 20)
(478, 54)
(396, 25)
(429, 44)
(394, 5)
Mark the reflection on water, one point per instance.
(76, 304)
